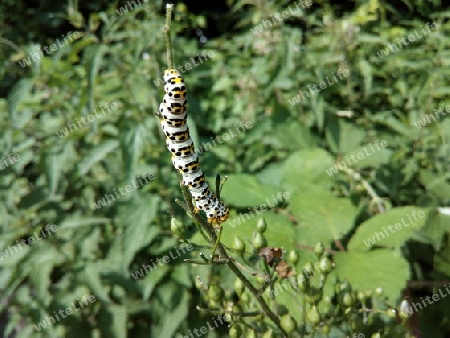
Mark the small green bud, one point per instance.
(261, 225)
(239, 287)
(251, 334)
(308, 269)
(313, 316)
(238, 245)
(235, 331)
(346, 299)
(326, 329)
(260, 280)
(313, 295)
(361, 296)
(244, 298)
(268, 334)
(392, 313)
(376, 335)
(325, 265)
(215, 292)
(293, 257)
(303, 282)
(258, 241)
(288, 323)
(319, 249)
(199, 284)
(343, 286)
(177, 227)
(212, 304)
(379, 291)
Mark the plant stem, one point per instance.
(224, 255)
(169, 8)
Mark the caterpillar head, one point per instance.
(219, 216)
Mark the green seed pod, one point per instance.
(288, 323)
(379, 291)
(313, 295)
(343, 286)
(215, 292)
(268, 334)
(376, 335)
(199, 284)
(258, 241)
(261, 225)
(392, 313)
(325, 265)
(319, 250)
(313, 316)
(260, 280)
(326, 329)
(245, 298)
(251, 334)
(238, 245)
(346, 299)
(293, 257)
(235, 331)
(303, 282)
(239, 287)
(212, 304)
(177, 227)
(308, 269)
(361, 296)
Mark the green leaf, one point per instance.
(436, 185)
(321, 216)
(178, 309)
(113, 321)
(138, 231)
(307, 168)
(132, 139)
(91, 276)
(78, 221)
(95, 155)
(244, 190)
(370, 155)
(52, 165)
(390, 229)
(370, 270)
(17, 94)
(294, 136)
(280, 230)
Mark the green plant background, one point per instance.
(251, 77)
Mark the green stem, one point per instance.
(232, 266)
(169, 8)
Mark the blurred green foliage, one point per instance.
(255, 73)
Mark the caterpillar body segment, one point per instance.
(173, 115)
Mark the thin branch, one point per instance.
(169, 8)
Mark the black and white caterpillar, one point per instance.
(172, 115)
